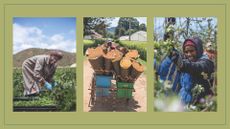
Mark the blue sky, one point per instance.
(51, 33)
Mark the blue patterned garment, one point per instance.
(186, 86)
(189, 74)
(164, 69)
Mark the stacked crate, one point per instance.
(122, 63)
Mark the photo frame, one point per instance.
(102, 8)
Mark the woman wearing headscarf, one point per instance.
(38, 71)
(190, 69)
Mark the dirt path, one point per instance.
(137, 104)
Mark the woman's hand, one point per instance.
(48, 86)
(173, 55)
(176, 57)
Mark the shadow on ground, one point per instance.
(114, 105)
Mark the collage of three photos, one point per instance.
(115, 64)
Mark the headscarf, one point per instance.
(198, 44)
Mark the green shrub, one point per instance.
(18, 83)
(92, 43)
(139, 46)
(63, 95)
(42, 101)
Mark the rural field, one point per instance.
(63, 96)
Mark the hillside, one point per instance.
(18, 58)
(111, 30)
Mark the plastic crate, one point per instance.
(103, 81)
(100, 92)
(124, 90)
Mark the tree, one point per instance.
(98, 23)
(126, 23)
(142, 27)
(119, 32)
(205, 28)
(101, 28)
(169, 28)
(110, 35)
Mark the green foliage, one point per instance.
(42, 101)
(198, 89)
(207, 104)
(63, 95)
(142, 27)
(99, 41)
(120, 32)
(18, 83)
(92, 43)
(98, 24)
(139, 46)
(167, 100)
(174, 35)
(88, 42)
(186, 27)
(163, 48)
(126, 23)
(110, 35)
(90, 23)
(101, 28)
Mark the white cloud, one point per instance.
(63, 45)
(57, 38)
(33, 37)
(22, 34)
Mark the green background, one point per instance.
(118, 8)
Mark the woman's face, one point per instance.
(190, 53)
(53, 59)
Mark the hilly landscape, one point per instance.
(18, 58)
(111, 30)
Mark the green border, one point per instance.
(149, 82)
